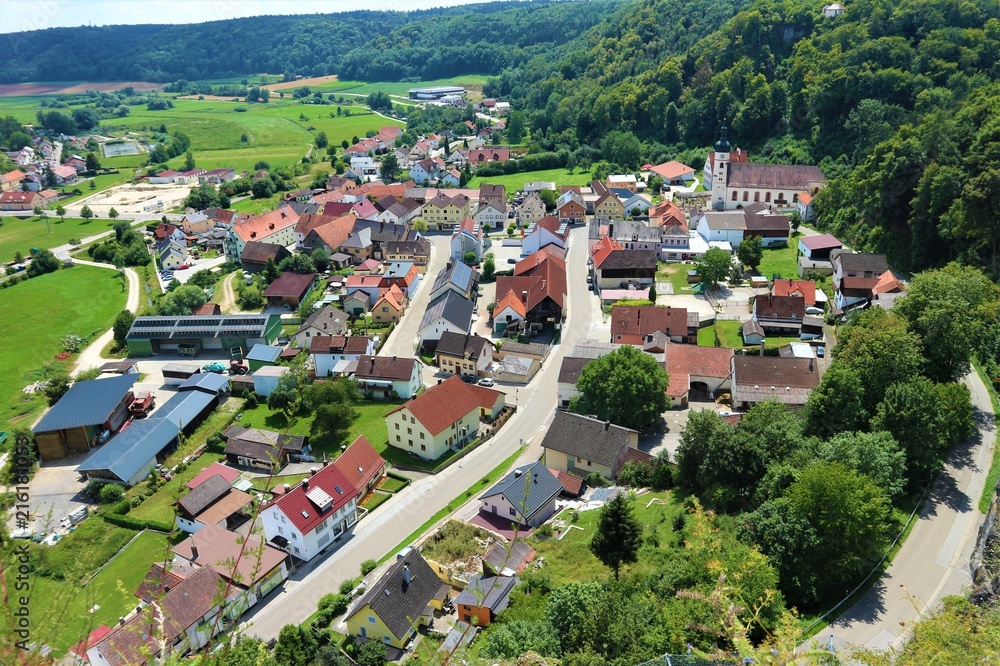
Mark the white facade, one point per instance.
(538, 239)
(409, 434)
(433, 330)
(307, 546)
(732, 236)
(490, 217)
(325, 362)
(499, 506)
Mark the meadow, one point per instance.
(515, 181)
(21, 234)
(82, 300)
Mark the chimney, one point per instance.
(194, 552)
(406, 574)
(524, 296)
(312, 471)
(287, 487)
(607, 425)
(305, 484)
(121, 622)
(517, 473)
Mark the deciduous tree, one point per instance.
(626, 387)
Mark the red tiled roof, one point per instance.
(603, 249)
(887, 283)
(779, 307)
(821, 242)
(805, 289)
(335, 232)
(393, 296)
(290, 285)
(338, 344)
(682, 361)
(225, 551)
(360, 462)
(805, 198)
(260, 226)
(18, 197)
(445, 403)
(227, 473)
(572, 485)
(672, 169)
(642, 320)
(512, 301)
(303, 513)
(80, 649)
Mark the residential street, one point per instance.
(934, 560)
(403, 340)
(395, 520)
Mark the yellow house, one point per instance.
(532, 210)
(389, 308)
(446, 415)
(444, 212)
(580, 445)
(397, 604)
(608, 207)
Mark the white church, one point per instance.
(735, 183)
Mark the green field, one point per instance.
(22, 234)
(396, 88)
(781, 261)
(514, 182)
(730, 335)
(82, 300)
(63, 608)
(160, 506)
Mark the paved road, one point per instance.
(403, 340)
(394, 521)
(934, 560)
(91, 356)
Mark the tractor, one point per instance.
(238, 367)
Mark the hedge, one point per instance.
(135, 523)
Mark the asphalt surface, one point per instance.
(381, 532)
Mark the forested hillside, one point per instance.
(894, 99)
(435, 43)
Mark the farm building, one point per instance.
(151, 335)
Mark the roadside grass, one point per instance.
(515, 181)
(37, 313)
(392, 485)
(160, 506)
(65, 612)
(994, 474)
(457, 501)
(21, 234)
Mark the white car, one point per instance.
(486, 381)
(814, 311)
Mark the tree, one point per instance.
(189, 161)
(333, 421)
(390, 168)
(113, 213)
(86, 213)
(251, 298)
(182, 300)
(85, 119)
(43, 262)
(836, 404)
(271, 271)
(714, 266)
(320, 259)
(296, 645)
(93, 164)
(283, 398)
(622, 148)
(619, 534)
(515, 126)
(56, 386)
(569, 610)
(297, 263)
(38, 211)
(511, 640)
(247, 651)
(61, 212)
(469, 258)
(419, 225)
(750, 252)
(322, 141)
(626, 387)
(261, 165)
(262, 188)
(111, 493)
(849, 513)
(652, 293)
(372, 653)
(874, 454)
(123, 322)
(489, 268)
(548, 198)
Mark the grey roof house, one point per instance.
(579, 445)
(527, 495)
(448, 312)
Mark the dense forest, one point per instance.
(434, 43)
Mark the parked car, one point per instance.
(486, 381)
(820, 352)
(469, 379)
(814, 311)
(184, 267)
(512, 261)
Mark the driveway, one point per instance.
(54, 493)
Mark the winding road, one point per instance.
(91, 356)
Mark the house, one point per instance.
(581, 445)
(217, 176)
(468, 237)
(815, 252)
(445, 416)
(187, 617)
(401, 274)
(632, 324)
(548, 231)
(526, 496)
(256, 255)
(424, 171)
(163, 177)
(494, 193)
(369, 284)
(401, 212)
(735, 182)
(636, 235)
(289, 290)
(330, 351)
(150, 335)
(13, 200)
(779, 315)
(674, 173)
(722, 227)
(364, 168)
(276, 227)
(484, 598)
(215, 469)
(531, 210)
(622, 182)
(490, 214)
(261, 355)
(389, 307)
(509, 313)
(569, 373)
(463, 354)
(362, 465)
(266, 379)
(328, 320)
(539, 281)
(401, 601)
(261, 449)
(635, 205)
(570, 207)
(804, 207)
(697, 372)
(64, 175)
(415, 249)
(459, 278)
(357, 303)
(49, 197)
(310, 221)
(757, 379)
(320, 509)
(212, 503)
(451, 178)
(448, 312)
(834, 10)
(771, 228)
(752, 332)
(444, 212)
(388, 376)
(804, 289)
(615, 267)
(488, 154)
(855, 276)
(86, 410)
(11, 180)
(606, 205)
(247, 564)
(169, 233)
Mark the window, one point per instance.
(397, 426)
(398, 439)
(296, 549)
(512, 512)
(280, 530)
(767, 197)
(410, 441)
(734, 195)
(371, 619)
(756, 197)
(423, 447)
(746, 195)
(385, 309)
(421, 435)
(409, 431)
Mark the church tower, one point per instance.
(720, 177)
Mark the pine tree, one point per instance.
(618, 536)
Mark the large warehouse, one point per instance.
(74, 424)
(436, 92)
(151, 335)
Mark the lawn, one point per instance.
(21, 234)
(676, 275)
(375, 500)
(781, 262)
(730, 335)
(265, 483)
(706, 336)
(40, 311)
(61, 610)
(515, 181)
(160, 506)
(392, 484)
(397, 88)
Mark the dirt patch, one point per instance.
(213, 98)
(19, 89)
(291, 85)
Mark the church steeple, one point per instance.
(722, 145)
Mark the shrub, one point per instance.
(122, 507)
(596, 480)
(544, 532)
(333, 605)
(348, 586)
(110, 493)
(368, 566)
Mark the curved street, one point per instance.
(91, 356)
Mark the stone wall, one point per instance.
(986, 557)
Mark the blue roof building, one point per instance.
(527, 495)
